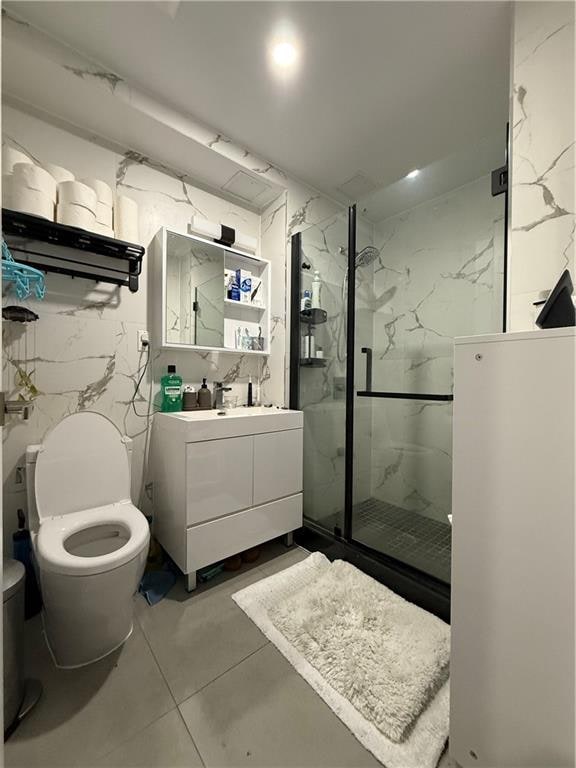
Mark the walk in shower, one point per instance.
(403, 272)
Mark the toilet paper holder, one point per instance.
(49, 246)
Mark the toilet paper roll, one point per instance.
(33, 177)
(126, 219)
(58, 173)
(103, 191)
(102, 229)
(11, 156)
(104, 214)
(75, 216)
(18, 198)
(76, 193)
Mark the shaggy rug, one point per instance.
(378, 661)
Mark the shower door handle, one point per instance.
(368, 352)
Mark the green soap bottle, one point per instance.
(171, 389)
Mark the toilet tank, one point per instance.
(31, 457)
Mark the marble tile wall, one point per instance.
(82, 353)
(438, 275)
(543, 176)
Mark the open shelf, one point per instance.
(217, 350)
(313, 316)
(244, 305)
(53, 247)
(313, 362)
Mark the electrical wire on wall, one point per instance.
(146, 349)
(147, 416)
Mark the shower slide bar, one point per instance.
(406, 396)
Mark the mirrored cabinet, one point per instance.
(210, 296)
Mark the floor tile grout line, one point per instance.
(166, 683)
(136, 733)
(177, 703)
(237, 664)
(189, 732)
(155, 720)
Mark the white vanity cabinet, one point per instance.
(223, 484)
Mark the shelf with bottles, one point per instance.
(193, 310)
(313, 362)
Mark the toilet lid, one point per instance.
(82, 464)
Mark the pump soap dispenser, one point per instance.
(204, 396)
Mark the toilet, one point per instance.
(90, 542)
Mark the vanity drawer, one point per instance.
(218, 478)
(210, 542)
(277, 465)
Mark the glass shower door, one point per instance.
(436, 272)
(318, 368)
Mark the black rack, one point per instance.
(313, 316)
(313, 362)
(53, 247)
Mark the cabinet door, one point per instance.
(277, 465)
(218, 478)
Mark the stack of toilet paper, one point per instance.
(29, 189)
(58, 173)
(104, 206)
(76, 205)
(126, 219)
(10, 157)
(52, 192)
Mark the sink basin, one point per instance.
(230, 412)
(232, 422)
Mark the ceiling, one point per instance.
(383, 87)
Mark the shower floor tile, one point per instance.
(407, 536)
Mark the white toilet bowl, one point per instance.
(90, 542)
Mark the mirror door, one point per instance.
(194, 303)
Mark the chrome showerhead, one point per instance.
(365, 257)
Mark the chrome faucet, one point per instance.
(219, 390)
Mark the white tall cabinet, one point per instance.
(513, 657)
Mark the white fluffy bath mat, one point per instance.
(374, 658)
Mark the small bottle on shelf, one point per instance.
(311, 344)
(316, 288)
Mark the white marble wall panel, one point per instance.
(274, 247)
(543, 179)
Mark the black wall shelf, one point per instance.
(54, 247)
(313, 362)
(313, 316)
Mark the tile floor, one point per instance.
(197, 684)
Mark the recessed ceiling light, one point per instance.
(413, 174)
(284, 54)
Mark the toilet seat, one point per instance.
(82, 464)
(54, 532)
